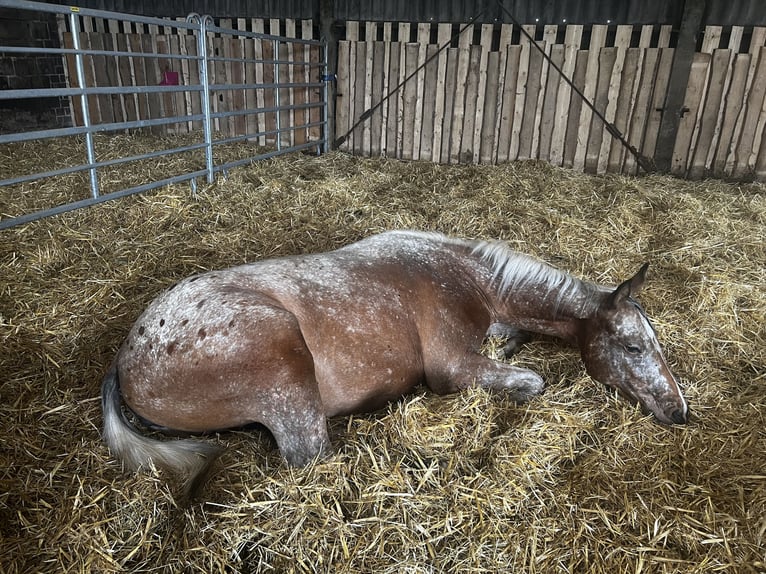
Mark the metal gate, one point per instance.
(282, 109)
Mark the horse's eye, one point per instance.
(633, 349)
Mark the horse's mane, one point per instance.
(513, 270)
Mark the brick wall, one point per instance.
(31, 71)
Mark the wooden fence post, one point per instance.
(679, 77)
(327, 33)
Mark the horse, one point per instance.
(288, 342)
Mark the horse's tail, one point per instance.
(189, 459)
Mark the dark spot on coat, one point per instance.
(201, 303)
(162, 322)
(193, 279)
(231, 323)
(172, 347)
(141, 330)
(202, 333)
(184, 322)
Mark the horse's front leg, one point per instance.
(474, 369)
(514, 337)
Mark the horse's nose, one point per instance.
(679, 417)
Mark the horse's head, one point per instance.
(620, 349)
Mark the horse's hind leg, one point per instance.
(291, 406)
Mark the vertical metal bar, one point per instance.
(276, 95)
(202, 22)
(327, 77)
(74, 24)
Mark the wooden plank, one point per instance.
(153, 77)
(365, 127)
(100, 107)
(597, 42)
(285, 94)
(376, 121)
(506, 31)
(386, 87)
(733, 104)
(359, 87)
(508, 100)
(138, 72)
(129, 102)
(760, 164)
(424, 32)
(167, 100)
(549, 107)
(257, 25)
(392, 148)
(522, 78)
(574, 138)
(488, 137)
(621, 43)
(700, 162)
(606, 61)
(191, 78)
(443, 34)
(404, 38)
(458, 107)
(450, 86)
(343, 94)
(641, 109)
(656, 109)
(473, 79)
(429, 97)
(749, 137)
(550, 32)
(530, 120)
(237, 78)
(711, 39)
(572, 40)
(694, 91)
(625, 103)
(486, 46)
(410, 91)
(269, 99)
(666, 31)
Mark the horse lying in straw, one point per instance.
(289, 342)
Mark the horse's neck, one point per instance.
(537, 308)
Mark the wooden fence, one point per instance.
(148, 67)
(499, 100)
(489, 97)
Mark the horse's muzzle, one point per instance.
(680, 417)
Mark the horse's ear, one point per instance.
(628, 288)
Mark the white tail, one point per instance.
(189, 459)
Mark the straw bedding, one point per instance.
(576, 481)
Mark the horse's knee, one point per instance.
(519, 383)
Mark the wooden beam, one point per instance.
(679, 78)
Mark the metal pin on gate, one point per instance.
(74, 23)
(203, 22)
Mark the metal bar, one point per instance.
(94, 91)
(240, 138)
(13, 221)
(105, 14)
(204, 81)
(86, 52)
(276, 95)
(327, 131)
(75, 26)
(268, 155)
(61, 132)
(108, 163)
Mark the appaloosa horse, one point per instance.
(289, 342)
